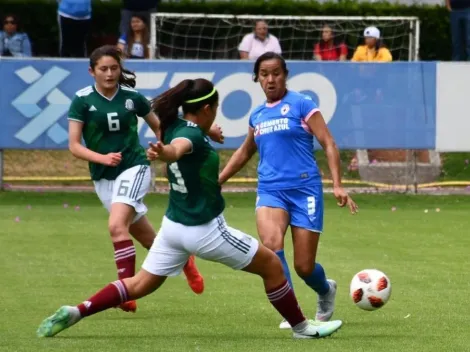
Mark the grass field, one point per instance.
(52, 255)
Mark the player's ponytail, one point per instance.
(126, 78)
(166, 105)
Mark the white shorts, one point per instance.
(214, 241)
(130, 187)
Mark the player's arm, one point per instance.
(320, 130)
(170, 152)
(216, 134)
(240, 157)
(154, 123)
(81, 152)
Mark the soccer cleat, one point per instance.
(326, 303)
(318, 330)
(284, 325)
(129, 306)
(63, 318)
(195, 279)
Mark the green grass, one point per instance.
(56, 255)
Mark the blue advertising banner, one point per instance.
(366, 106)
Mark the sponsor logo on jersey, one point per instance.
(271, 126)
(92, 108)
(129, 105)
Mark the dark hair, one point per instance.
(166, 105)
(145, 37)
(336, 41)
(15, 19)
(260, 20)
(268, 56)
(127, 78)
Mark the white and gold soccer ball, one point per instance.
(370, 289)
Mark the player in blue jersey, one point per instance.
(289, 182)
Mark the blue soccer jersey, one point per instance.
(285, 143)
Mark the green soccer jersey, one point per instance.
(110, 126)
(195, 194)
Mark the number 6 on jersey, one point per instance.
(113, 123)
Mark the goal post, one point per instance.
(216, 36)
(200, 36)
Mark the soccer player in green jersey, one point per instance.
(105, 115)
(194, 223)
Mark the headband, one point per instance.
(197, 100)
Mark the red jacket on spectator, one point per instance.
(330, 52)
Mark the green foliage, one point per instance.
(40, 22)
(455, 166)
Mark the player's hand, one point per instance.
(216, 134)
(112, 159)
(155, 151)
(344, 199)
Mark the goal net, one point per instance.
(204, 36)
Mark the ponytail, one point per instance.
(127, 78)
(166, 105)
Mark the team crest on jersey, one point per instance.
(285, 109)
(257, 130)
(129, 104)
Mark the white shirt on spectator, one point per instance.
(255, 47)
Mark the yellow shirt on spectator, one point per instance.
(363, 53)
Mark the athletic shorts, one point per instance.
(213, 241)
(304, 205)
(130, 188)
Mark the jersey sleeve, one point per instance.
(77, 110)
(123, 39)
(250, 121)
(142, 105)
(307, 108)
(192, 134)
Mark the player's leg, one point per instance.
(306, 209)
(110, 296)
(272, 220)
(165, 258)
(129, 188)
(220, 243)
(143, 231)
(120, 216)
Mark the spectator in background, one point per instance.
(374, 50)
(460, 28)
(74, 25)
(135, 43)
(141, 8)
(330, 48)
(12, 41)
(255, 44)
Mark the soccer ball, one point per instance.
(370, 289)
